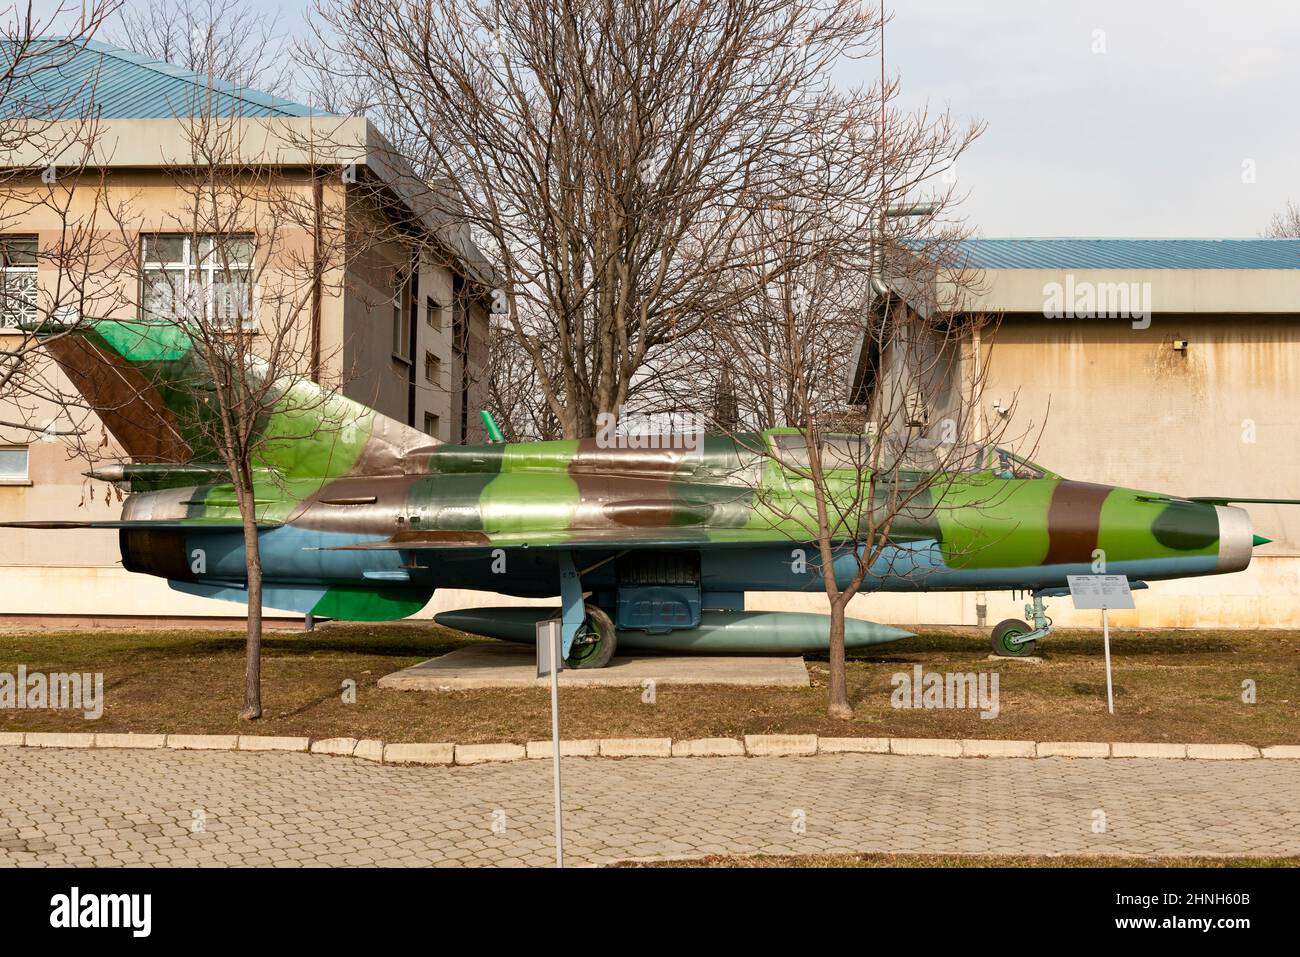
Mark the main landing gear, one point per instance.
(588, 632)
(1014, 638)
(595, 641)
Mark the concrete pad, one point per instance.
(1209, 752)
(934, 747)
(418, 753)
(11, 739)
(978, 748)
(504, 665)
(1141, 749)
(1026, 660)
(773, 745)
(481, 753)
(339, 746)
(1282, 751)
(203, 742)
(47, 739)
(708, 748)
(582, 748)
(369, 749)
(636, 747)
(1073, 749)
(852, 745)
(264, 742)
(130, 740)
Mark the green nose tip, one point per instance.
(1261, 540)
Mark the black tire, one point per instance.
(596, 641)
(1005, 635)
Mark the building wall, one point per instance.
(1100, 401)
(78, 572)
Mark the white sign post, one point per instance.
(550, 660)
(1104, 592)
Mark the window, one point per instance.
(432, 424)
(433, 313)
(13, 464)
(402, 325)
(200, 278)
(17, 281)
(432, 368)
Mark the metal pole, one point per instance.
(1105, 638)
(556, 651)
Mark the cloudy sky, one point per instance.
(1147, 138)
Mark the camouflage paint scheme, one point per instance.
(363, 517)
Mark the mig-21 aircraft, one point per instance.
(361, 517)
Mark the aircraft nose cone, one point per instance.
(1236, 538)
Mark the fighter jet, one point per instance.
(363, 518)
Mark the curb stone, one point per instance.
(852, 745)
(932, 747)
(261, 742)
(203, 742)
(416, 753)
(482, 753)
(753, 745)
(130, 740)
(708, 748)
(1073, 749)
(581, 748)
(979, 748)
(780, 745)
(635, 748)
(1139, 749)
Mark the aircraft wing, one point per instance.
(586, 539)
(197, 523)
(1245, 501)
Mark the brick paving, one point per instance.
(158, 808)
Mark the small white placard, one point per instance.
(548, 644)
(1100, 591)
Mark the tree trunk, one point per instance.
(839, 689)
(253, 644)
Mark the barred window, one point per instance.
(17, 281)
(198, 278)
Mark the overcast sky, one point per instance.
(1145, 139)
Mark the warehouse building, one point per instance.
(1165, 365)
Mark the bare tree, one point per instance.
(615, 159)
(1285, 225)
(229, 40)
(48, 135)
(860, 485)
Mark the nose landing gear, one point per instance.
(1014, 638)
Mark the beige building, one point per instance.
(401, 323)
(1166, 365)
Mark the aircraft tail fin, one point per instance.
(151, 386)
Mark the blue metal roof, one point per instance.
(88, 78)
(1131, 253)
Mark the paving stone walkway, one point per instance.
(87, 807)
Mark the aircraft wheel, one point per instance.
(1006, 639)
(595, 641)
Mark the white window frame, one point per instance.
(199, 267)
(15, 479)
(23, 277)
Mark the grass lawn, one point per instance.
(1170, 686)
(966, 860)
